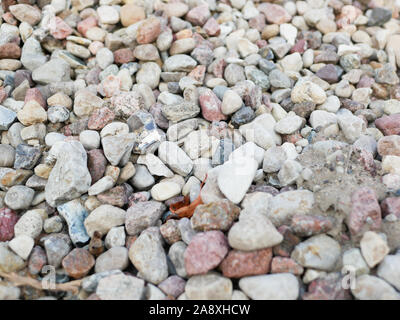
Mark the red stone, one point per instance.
(37, 260)
(286, 265)
(78, 263)
(10, 51)
(198, 15)
(239, 264)
(86, 24)
(274, 13)
(123, 55)
(389, 125)
(211, 106)
(59, 29)
(219, 67)
(365, 213)
(290, 240)
(116, 196)
(97, 163)
(389, 145)
(100, 118)
(198, 73)
(8, 219)
(148, 31)
(212, 27)
(327, 288)
(205, 251)
(35, 94)
(307, 226)
(391, 205)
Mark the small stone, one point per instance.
(238, 264)
(9, 261)
(198, 15)
(215, 216)
(143, 215)
(78, 263)
(283, 286)
(373, 248)
(103, 218)
(285, 265)
(210, 286)
(8, 219)
(306, 226)
(19, 197)
(373, 288)
(30, 224)
(116, 258)
(148, 30)
(148, 256)
(205, 252)
(320, 252)
(274, 13)
(120, 287)
(22, 245)
(26, 13)
(253, 232)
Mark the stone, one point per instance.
(308, 91)
(307, 225)
(218, 215)
(373, 288)
(32, 113)
(238, 264)
(103, 218)
(19, 197)
(205, 251)
(365, 213)
(233, 171)
(175, 158)
(148, 30)
(373, 248)
(285, 265)
(8, 219)
(116, 147)
(275, 14)
(78, 263)
(29, 224)
(253, 232)
(26, 13)
(148, 256)
(57, 246)
(70, 176)
(389, 271)
(55, 70)
(26, 157)
(75, 214)
(120, 287)
(179, 62)
(283, 286)
(7, 117)
(210, 286)
(131, 13)
(210, 106)
(165, 190)
(283, 206)
(319, 252)
(116, 258)
(231, 102)
(9, 261)
(22, 246)
(143, 215)
(198, 15)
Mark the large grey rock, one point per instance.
(70, 176)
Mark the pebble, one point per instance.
(205, 251)
(253, 232)
(103, 218)
(148, 256)
(210, 286)
(115, 258)
(373, 248)
(319, 252)
(78, 263)
(373, 288)
(143, 215)
(120, 287)
(283, 286)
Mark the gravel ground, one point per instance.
(199, 149)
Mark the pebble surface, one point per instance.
(201, 149)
